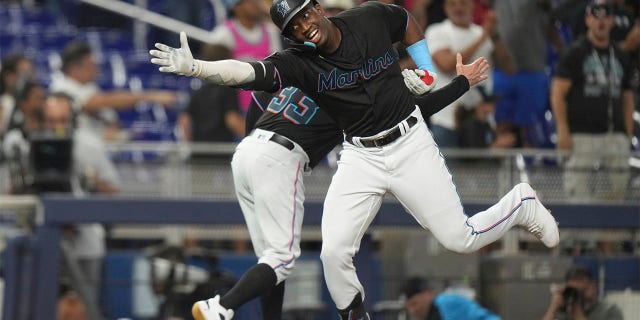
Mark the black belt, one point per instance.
(389, 137)
(281, 140)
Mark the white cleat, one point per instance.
(211, 310)
(541, 223)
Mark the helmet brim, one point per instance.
(292, 14)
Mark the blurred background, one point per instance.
(117, 194)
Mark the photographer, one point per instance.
(578, 299)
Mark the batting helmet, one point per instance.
(282, 11)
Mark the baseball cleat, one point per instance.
(211, 310)
(542, 224)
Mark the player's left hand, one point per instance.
(175, 60)
(475, 71)
(419, 81)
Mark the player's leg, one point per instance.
(271, 302)
(352, 201)
(424, 185)
(271, 193)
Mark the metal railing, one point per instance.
(202, 171)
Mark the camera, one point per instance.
(571, 297)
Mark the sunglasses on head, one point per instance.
(600, 11)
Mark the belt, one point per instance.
(281, 140)
(389, 137)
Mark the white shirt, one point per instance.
(446, 35)
(91, 158)
(81, 93)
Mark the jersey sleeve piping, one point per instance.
(253, 96)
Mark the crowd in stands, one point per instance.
(49, 48)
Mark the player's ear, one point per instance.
(319, 8)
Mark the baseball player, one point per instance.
(269, 179)
(347, 65)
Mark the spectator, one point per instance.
(97, 175)
(249, 36)
(70, 307)
(28, 99)
(14, 68)
(15, 146)
(477, 128)
(213, 113)
(424, 304)
(333, 7)
(592, 101)
(525, 26)
(459, 34)
(96, 108)
(578, 299)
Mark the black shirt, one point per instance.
(294, 115)
(596, 86)
(208, 107)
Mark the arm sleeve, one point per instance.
(437, 100)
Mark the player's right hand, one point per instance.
(175, 60)
(419, 81)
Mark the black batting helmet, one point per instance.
(282, 11)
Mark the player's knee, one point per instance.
(458, 246)
(335, 255)
(283, 272)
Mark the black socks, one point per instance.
(355, 310)
(271, 303)
(255, 282)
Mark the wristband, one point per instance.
(419, 52)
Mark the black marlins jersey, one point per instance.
(360, 85)
(292, 114)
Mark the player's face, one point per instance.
(310, 25)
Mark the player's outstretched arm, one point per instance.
(181, 61)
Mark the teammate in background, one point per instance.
(96, 108)
(347, 65)
(592, 100)
(422, 303)
(267, 205)
(248, 35)
(578, 299)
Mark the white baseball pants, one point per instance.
(270, 188)
(413, 169)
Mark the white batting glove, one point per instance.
(176, 60)
(419, 81)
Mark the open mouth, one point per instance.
(314, 36)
